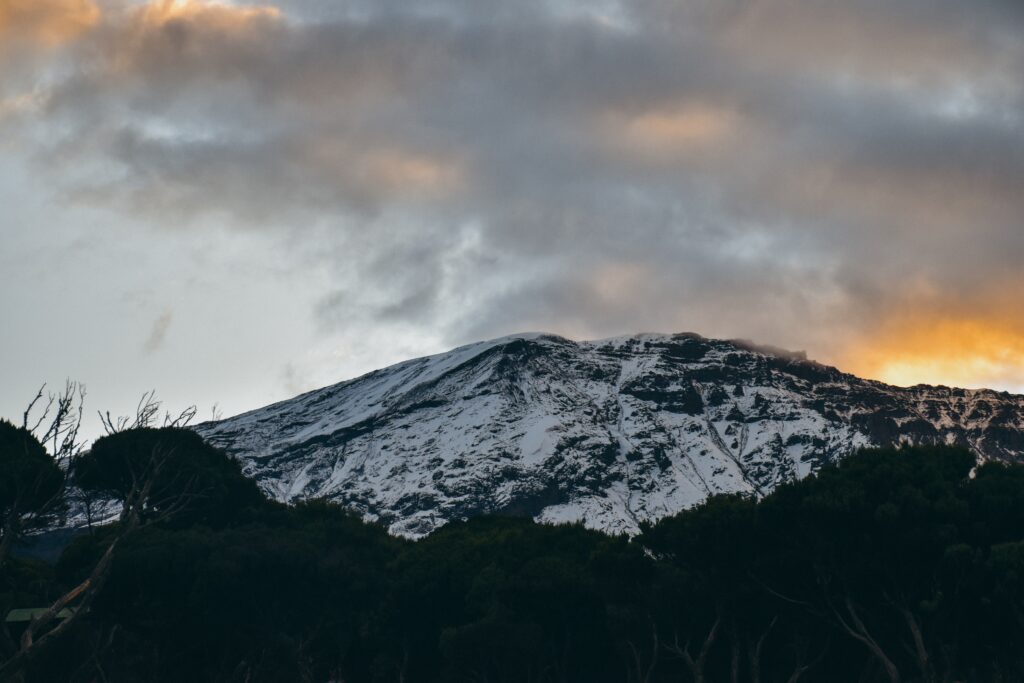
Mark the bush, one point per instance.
(203, 482)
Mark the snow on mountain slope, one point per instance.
(610, 432)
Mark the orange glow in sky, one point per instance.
(967, 352)
(48, 21)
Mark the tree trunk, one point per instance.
(698, 665)
(754, 650)
(856, 629)
(924, 662)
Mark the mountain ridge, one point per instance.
(612, 432)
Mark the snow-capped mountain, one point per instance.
(610, 433)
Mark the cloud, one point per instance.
(49, 22)
(804, 173)
(158, 332)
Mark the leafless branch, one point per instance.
(62, 416)
(183, 418)
(147, 410)
(785, 598)
(28, 410)
(145, 414)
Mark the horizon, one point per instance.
(92, 427)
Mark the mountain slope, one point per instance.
(610, 432)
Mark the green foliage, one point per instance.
(29, 477)
(190, 473)
(911, 559)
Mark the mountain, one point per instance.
(611, 433)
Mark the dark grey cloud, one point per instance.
(799, 172)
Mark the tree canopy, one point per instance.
(29, 477)
(187, 472)
(892, 565)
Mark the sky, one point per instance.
(232, 203)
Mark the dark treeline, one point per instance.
(894, 565)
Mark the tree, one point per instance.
(30, 482)
(154, 474)
(188, 475)
(31, 478)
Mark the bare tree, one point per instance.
(58, 424)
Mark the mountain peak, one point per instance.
(612, 432)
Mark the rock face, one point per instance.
(610, 433)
